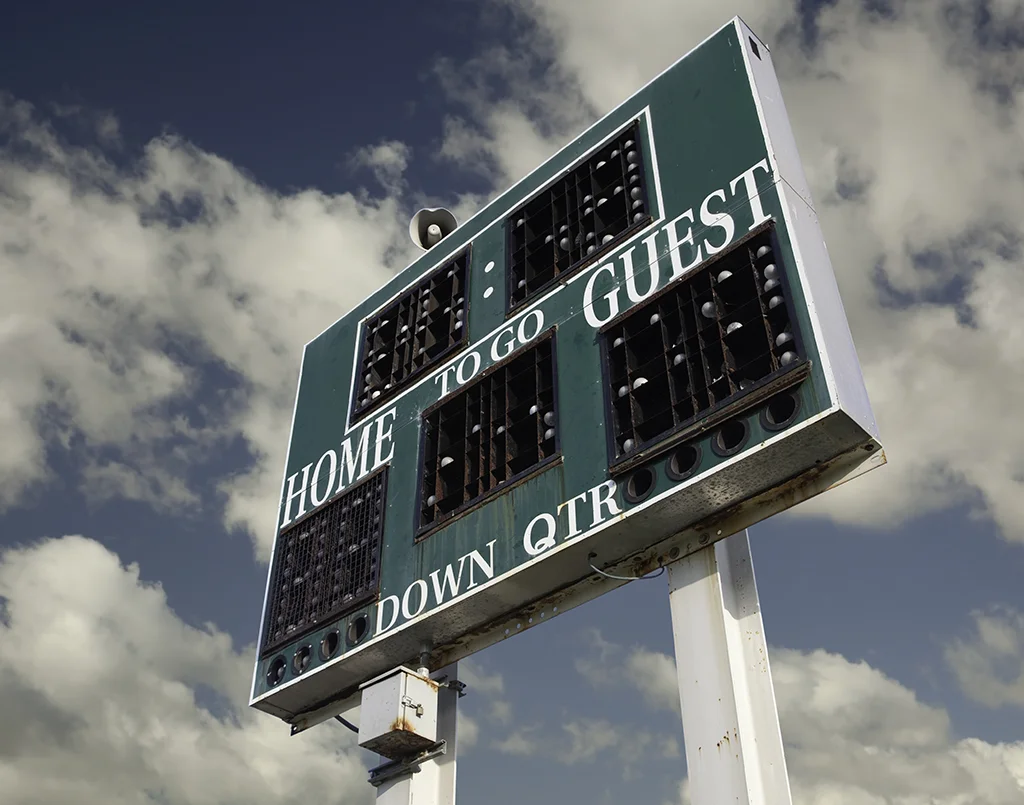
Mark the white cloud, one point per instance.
(469, 732)
(990, 664)
(486, 697)
(855, 735)
(610, 666)
(512, 121)
(153, 312)
(521, 742)
(387, 161)
(105, 695)
(477, 679)
(587, 738)
(588, 741)
(917, 110)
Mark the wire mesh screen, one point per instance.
(578, 217)
(414, 332)
(709, 340)
(328, 564)
(493, 432)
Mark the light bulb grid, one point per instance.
(414, 332)
(491, 433)
(578, 218)
(703, 344)
(328, 564)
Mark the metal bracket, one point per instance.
(451, 684)
(458, 687)
(400, 768)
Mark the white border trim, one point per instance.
(841, 365)
(742, 32)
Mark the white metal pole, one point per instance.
(434, 783)
(731, 732)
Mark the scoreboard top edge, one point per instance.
(495, 212)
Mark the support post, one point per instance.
(731, 731)
(434, 782)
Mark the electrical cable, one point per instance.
(348, 724)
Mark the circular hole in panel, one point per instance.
(329, 645)
(302, 658)
(780, 411)
(640, 485)
(357, 629)
(730, 438)
(276, 671)
(683, 462)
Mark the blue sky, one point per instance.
(147, 414)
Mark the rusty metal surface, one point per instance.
(402, 741)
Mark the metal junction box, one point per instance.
(398, 716)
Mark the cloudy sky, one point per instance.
(187, 196)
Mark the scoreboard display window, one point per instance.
(704, 347)
(578, 218)
(493, 432)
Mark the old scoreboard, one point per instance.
(635, 351)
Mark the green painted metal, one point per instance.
(702, 121)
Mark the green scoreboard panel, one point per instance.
(635, 351)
